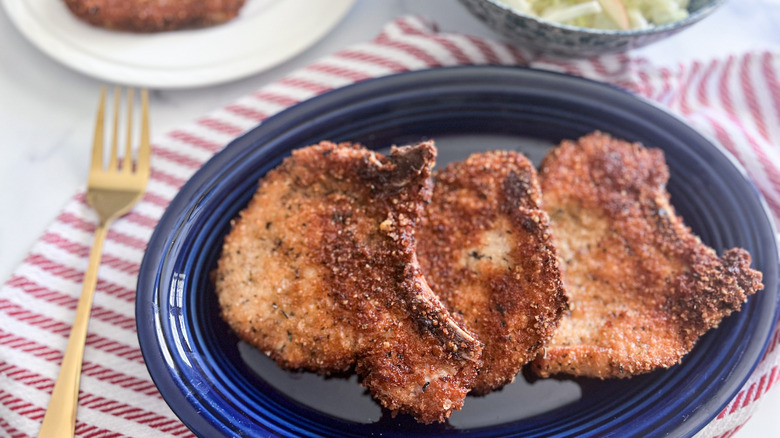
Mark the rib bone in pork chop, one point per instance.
(320, 273)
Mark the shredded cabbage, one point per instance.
(604, 14)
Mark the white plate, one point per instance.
(265, 34)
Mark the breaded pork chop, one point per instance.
(642, 287)
(320, 273)
(485, 249)
(154, 15)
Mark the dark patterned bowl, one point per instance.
(559, 39)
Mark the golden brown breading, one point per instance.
(485, 249)
(154, 15)
(642, 287)
(320, 273)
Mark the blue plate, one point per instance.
(219, 386)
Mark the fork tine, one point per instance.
(113, 159)
(97, 143)
(144, 149)
(127, 161)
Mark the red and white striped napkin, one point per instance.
(735, 100)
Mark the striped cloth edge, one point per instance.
(735, 100)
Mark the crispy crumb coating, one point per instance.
(320, 273)
(642, 287)
(154, 15)
(485, 248)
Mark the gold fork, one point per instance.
(111, 192)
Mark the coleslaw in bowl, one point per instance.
(605, 14)
(583, 28)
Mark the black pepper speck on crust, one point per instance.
(320, 273)
(642, 287)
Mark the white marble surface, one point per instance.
(47, 112)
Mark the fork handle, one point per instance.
(60, 418)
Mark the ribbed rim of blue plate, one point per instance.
(213, 393)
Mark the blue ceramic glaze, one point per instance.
(221, 387)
